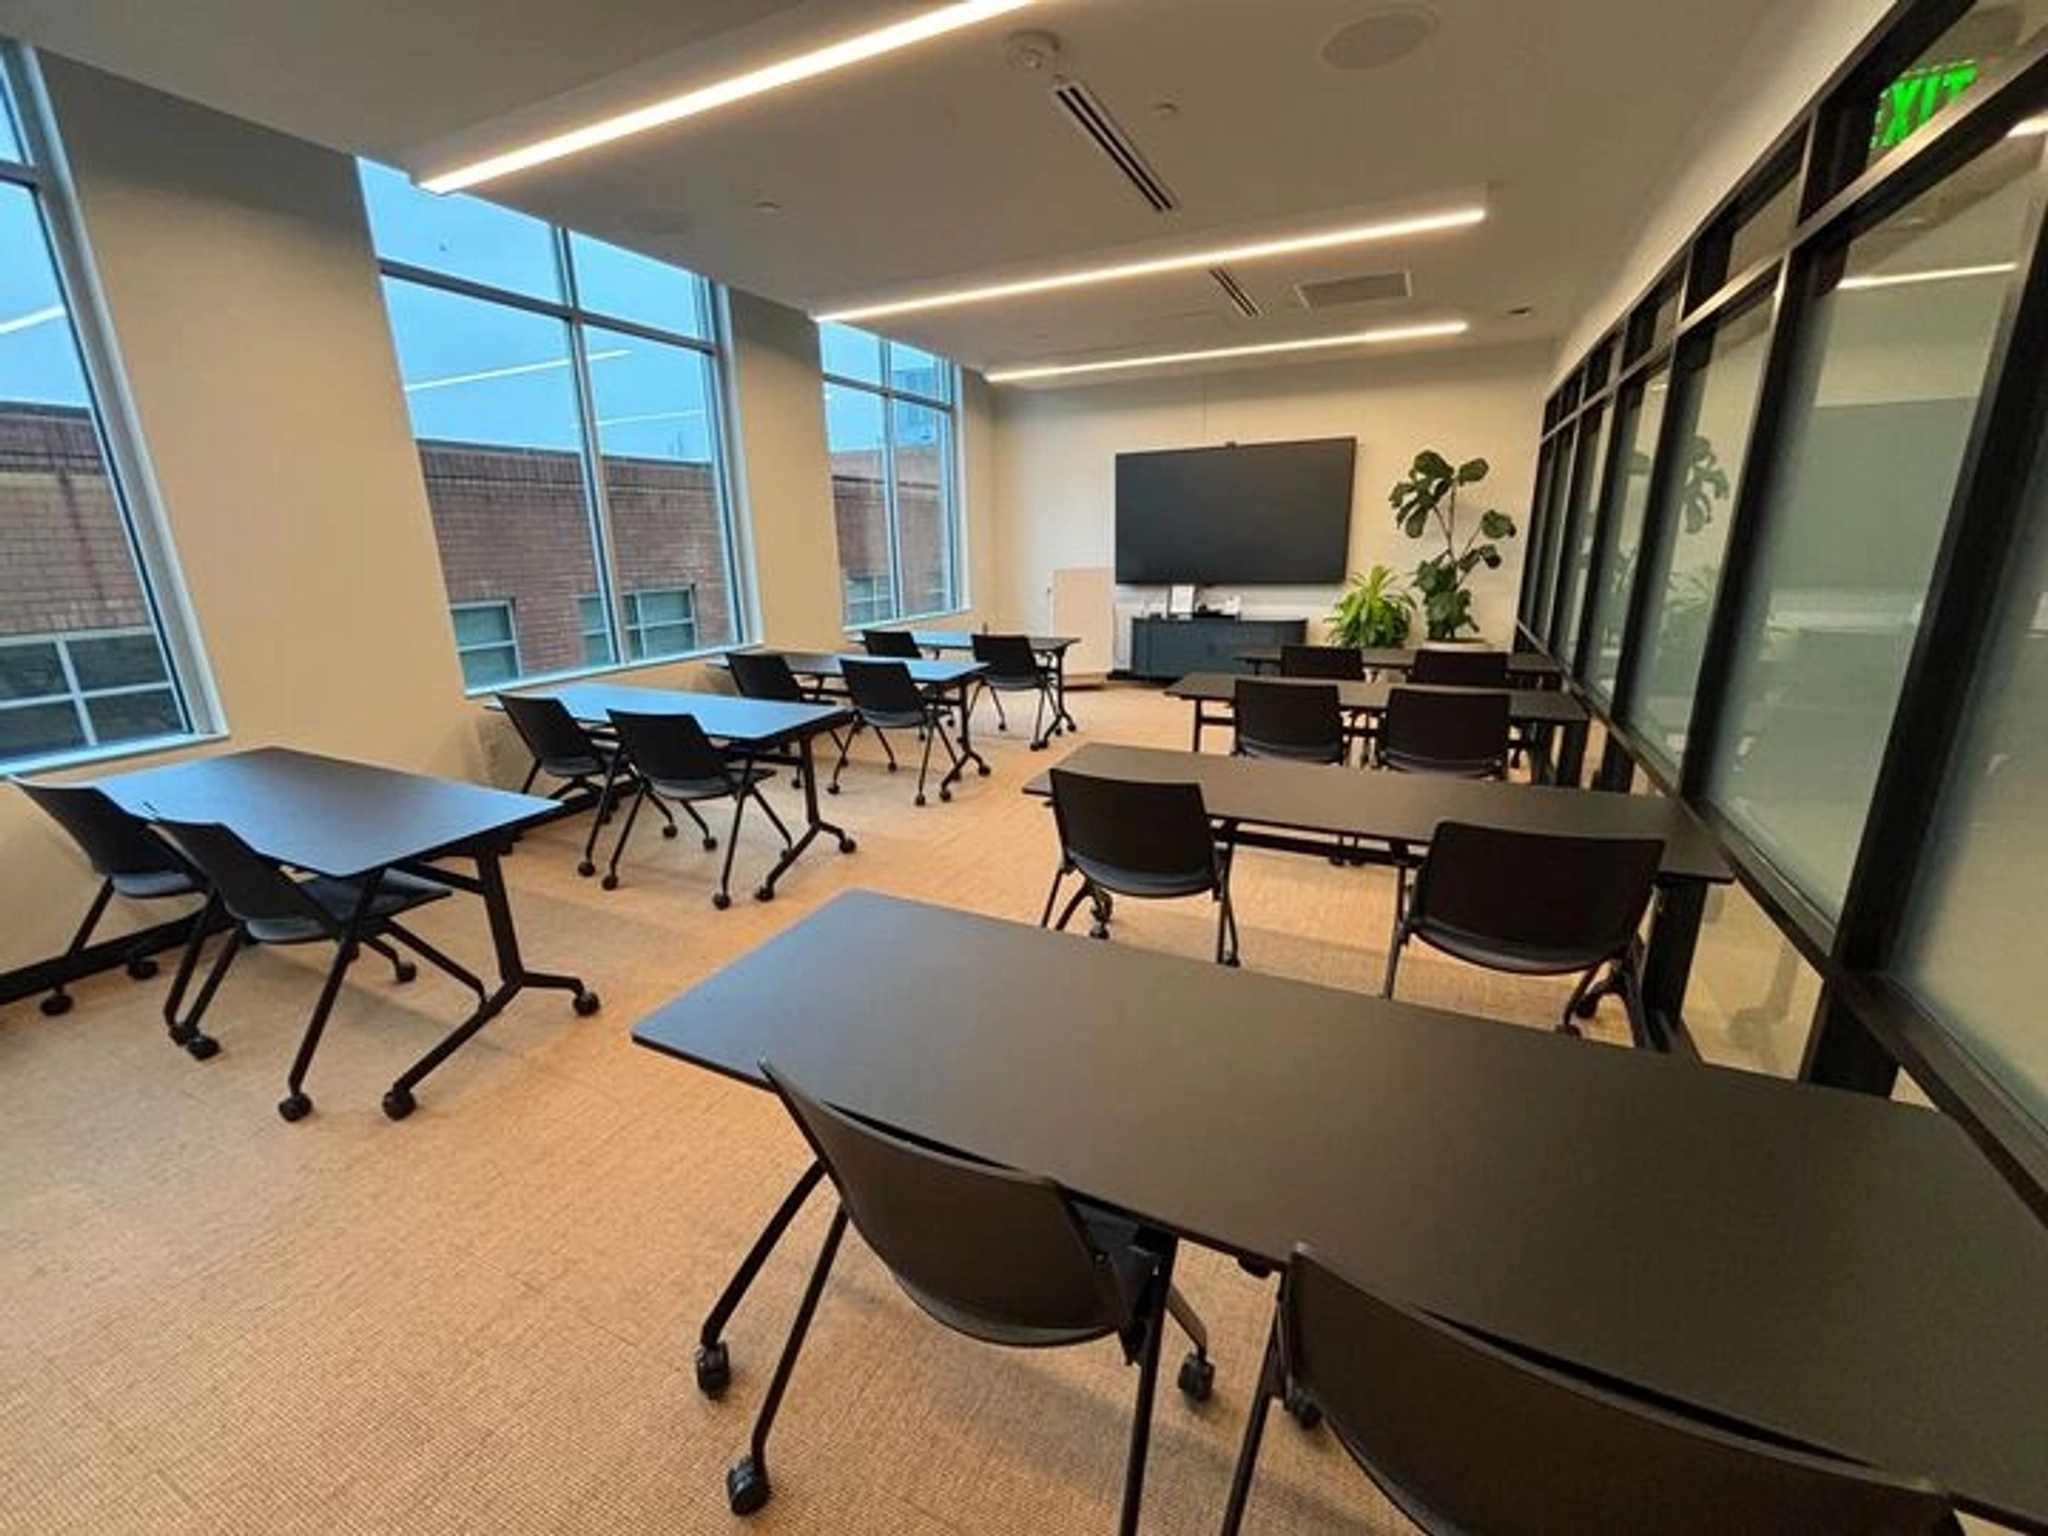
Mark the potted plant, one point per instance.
(1375, 610)
(1425, 504)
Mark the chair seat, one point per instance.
(894, 719)
(1015, 684)
(1469, 768)
(1520, 959)
(1326, 752)
(1114, 1237)
(574, 767)
(707, 789)
(1147, 883)
(147, 885)
(397, 892)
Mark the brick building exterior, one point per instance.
(66, 565)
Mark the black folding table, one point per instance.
(353, 821)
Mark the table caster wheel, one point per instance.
(610, 882)
(399, 1103)
(1570, 1027)
(202, 1047)
(892, 767)
(847, 845)
(586, 1003)
(295, 1107)
(404, 971)
(586, 869)
(1586, 1007)
(1304, 1412)
(141, 968)
(1036, 746)
(714, 1369)
(1197, 1377)
(669, 830)
(764, 893)
(831, 789)
(710, 845)
(746, 1486)
(721, 900)
(984, 770)
(1234, 963)
(920, 799)
(946, 794)
(56, 1004)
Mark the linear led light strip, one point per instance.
(1317, 343)
(723, 93)
(1229, 255)
(1927, 275)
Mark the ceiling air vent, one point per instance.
(1364, 288)
(1093, 119)
(1233, 290)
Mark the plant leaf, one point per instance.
(1496, 525)
(1472, 471)
(1432, 464)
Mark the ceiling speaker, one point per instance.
(1379, 38)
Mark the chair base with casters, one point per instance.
(1102, 908)
(352, 915)
(930, 726)
(138, 963)
(742, 786)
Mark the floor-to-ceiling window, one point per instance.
(889, 427)
(565, 394)
(88, 657)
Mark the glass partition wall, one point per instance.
(1788, 540)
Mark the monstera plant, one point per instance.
(1425, 505)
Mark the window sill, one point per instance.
(907, 620)
(147, 746)
(581, 674)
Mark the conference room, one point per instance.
(719, 717)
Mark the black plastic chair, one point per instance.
(1533, 904)
(1464, 734)
(886, 698)
(270, 906)
(895, 644)
(563, 749)
(1465, 1437)
(1126, 837)
(1013, 667)
(998, 1256)
(1337, 663)
(131, 861)
(673, 760)
(1460, 666)
(766, 675)
(1300, 722)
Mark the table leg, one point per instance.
(513, 978)
(1571, 753)
(1062, 717)
(814, 822)
(1667, 964)
(968, 754)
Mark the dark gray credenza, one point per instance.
(1165, 649)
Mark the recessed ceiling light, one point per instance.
(1381, 337)
(723, 93)
(1391, 229)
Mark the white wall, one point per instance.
(1056, 455)
(243, 298)
(1795, 49)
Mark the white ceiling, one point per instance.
(948, 164)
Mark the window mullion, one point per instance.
(593, 459)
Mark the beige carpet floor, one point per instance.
(482, 1319)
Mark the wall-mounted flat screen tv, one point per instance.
(1246, 514)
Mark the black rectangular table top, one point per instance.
(963, 640)
(724, 716)
(1402, 807)
(927, 672)
(1401, 658)
(324, 814)
(1534, 706)
(1831, 1267)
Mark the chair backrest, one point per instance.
(1009, 658)
(1300, 721)
(881, 687)
(994, 1254)
(1135, 837)
(764, 675)
(550, 732)
(669, 749)
(1341, 662)
(1561, 901)
(1460, 666)
(899, 643)
(1465, 734)
(114, 841)
(1466, 1437)
(255, 889)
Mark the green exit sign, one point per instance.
(1909, 101)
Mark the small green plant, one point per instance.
(1425, 503)
(1375, 610)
